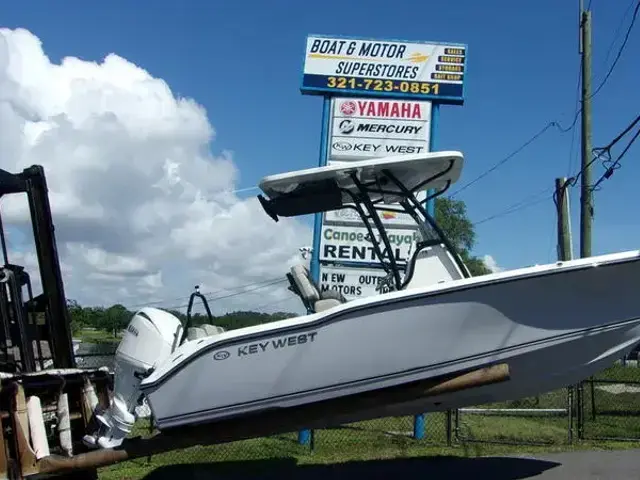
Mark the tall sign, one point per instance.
(381, 98)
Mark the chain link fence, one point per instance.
(541, 420)
(610, 404)
(388, 433)
(391, 437)
(602, 408)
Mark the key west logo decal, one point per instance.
(276, 344)
(221, 355)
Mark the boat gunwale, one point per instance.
(337, 313)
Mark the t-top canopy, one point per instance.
(331, 187)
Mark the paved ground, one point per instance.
(587, 465)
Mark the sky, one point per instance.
(154, 120)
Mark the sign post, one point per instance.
(419, 420)
(304, 436)
(381, 98)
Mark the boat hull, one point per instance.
(552, 329)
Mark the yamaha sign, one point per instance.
(364, 128)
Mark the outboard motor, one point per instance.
(151, 336)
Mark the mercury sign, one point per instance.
(365, 128)
(347, 65)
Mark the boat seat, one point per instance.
(204, 330)
(303, 285)
(212, 329)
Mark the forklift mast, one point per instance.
(44, 317)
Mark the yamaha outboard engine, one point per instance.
(151, 336)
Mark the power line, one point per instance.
(522, 204)
(594, 93)
(578, 110)
(520, 148)
(620, 50)
(213, 299)
(575, 117)
(505, 159)
(148, 304)
(555, 123)
(571, 181)
(616, 164)
(619, 136)
(617, 32)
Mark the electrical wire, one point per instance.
(619, 136)
(573, 123)
(594, 93)
(522, 204)
(159, 302)
(522, 147)
(578, 110)
(620, 50)
(617, 32)
(602, 151)
(616, 164)
(555, 123)
(213, 299)
(505, 159)
(571, 181)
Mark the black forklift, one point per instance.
(46, 401)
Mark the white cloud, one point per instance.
(143, 210)
(491, 263)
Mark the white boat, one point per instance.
(551, 325)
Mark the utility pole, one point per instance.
(586, 200)
(564, 233)
(565, 253)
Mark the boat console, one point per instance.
(368, 187)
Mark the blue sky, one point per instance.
(242, 62)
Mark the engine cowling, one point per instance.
(150, 337)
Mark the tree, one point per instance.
(77, 316)
(116, 317)
(451, 216)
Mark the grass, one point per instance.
(96, 336)
(617, 414)
(365, 442)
